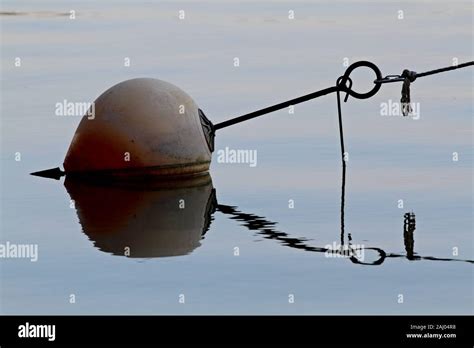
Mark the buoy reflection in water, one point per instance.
(144, 219)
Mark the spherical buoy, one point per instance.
(146, 218)
(142, 127)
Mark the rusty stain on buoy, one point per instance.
(142, 127)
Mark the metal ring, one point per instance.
(379, 261)
(342, 82)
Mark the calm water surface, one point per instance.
(281, 250)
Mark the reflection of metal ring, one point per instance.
(379, 261)
(345, 77)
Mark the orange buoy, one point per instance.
(142, 127)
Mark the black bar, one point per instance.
(288, 330)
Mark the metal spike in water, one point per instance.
(54, 173)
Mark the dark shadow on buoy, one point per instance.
(144, 219)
